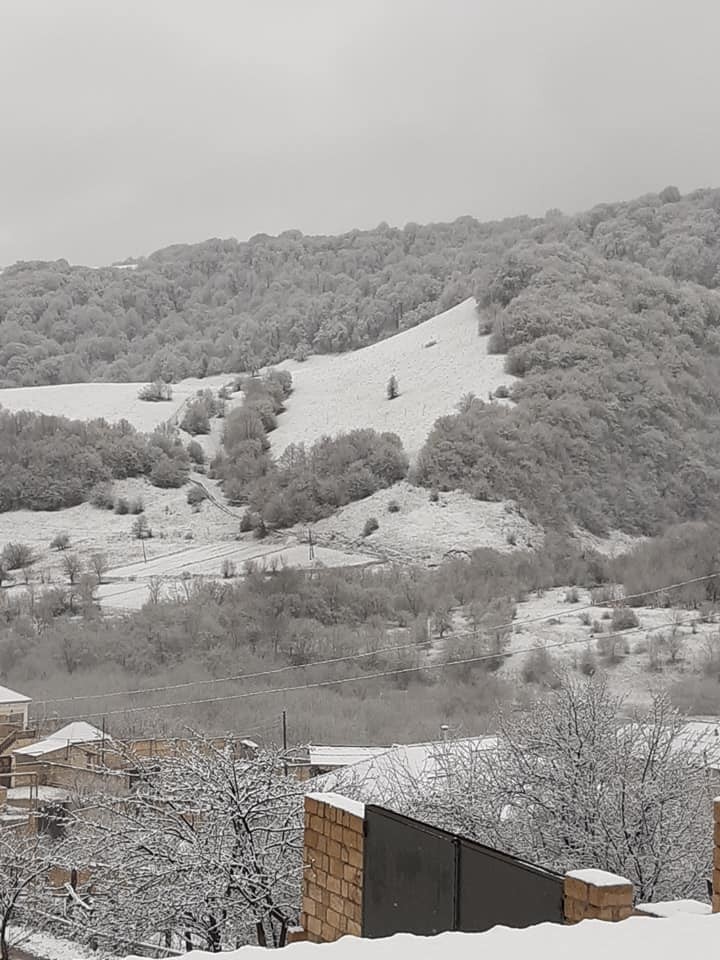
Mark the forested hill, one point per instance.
(223, 305)
(227, 306)
(611, 319)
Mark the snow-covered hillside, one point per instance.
(111, 401)
(435, 364)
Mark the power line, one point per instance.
(372, 676)
(572, 611)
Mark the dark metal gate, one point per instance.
(419, 879)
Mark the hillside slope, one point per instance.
(111, 401)
(435, 363)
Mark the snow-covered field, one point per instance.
(184, 542)
(341, 392)
(129, 586)
(635, 669)
(111, 401)
(425, 531)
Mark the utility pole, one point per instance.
(311, 545)
(142, 541)
(284, 740)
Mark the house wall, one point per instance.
(71, 768)
(14, 714)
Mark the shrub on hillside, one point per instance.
(539, 667)
(141, 528)
(60, 541)
(102, 496)
(371, 525)
(168, 472)
(196, 420)
(196, 495)
(623, 618)
(393, 507)
(196, 452)
(122, 506)
(17, 556)
(248, 521)
(155, 392)
(136, 506)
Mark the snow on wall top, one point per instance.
(354, 807)
(599, 878)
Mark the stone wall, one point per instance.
(597, 895)
(333, 859)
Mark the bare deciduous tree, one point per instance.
(25, 860)
(99, 565)
(206, 853)
(579, 782)
(72, 566)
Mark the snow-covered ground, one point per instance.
(423, 530)
(111, 401)
(568, 630)
(633, 939)
(129, 586)
(48, 947)
(435, 364)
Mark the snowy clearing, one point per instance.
(422, 530)
(111, 401)
(340, 392)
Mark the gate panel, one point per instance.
(494, 888)
(409, 876)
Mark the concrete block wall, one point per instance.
(333, 861)
(597, 895)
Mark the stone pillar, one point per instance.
(333, 862)
(597, 895)
(716, 857)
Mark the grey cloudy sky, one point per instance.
(132, 124)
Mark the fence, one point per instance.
(419, 879)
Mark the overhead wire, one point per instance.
(443, 665)
(574, 610)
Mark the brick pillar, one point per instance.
(597, 895)
(716, 857)
(333, 861)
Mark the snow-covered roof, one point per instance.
(12, 696)
(47, 794)
(342, 756)
(74, 733)
(383, 778)
(591, 940)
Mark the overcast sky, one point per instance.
(132, 124)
